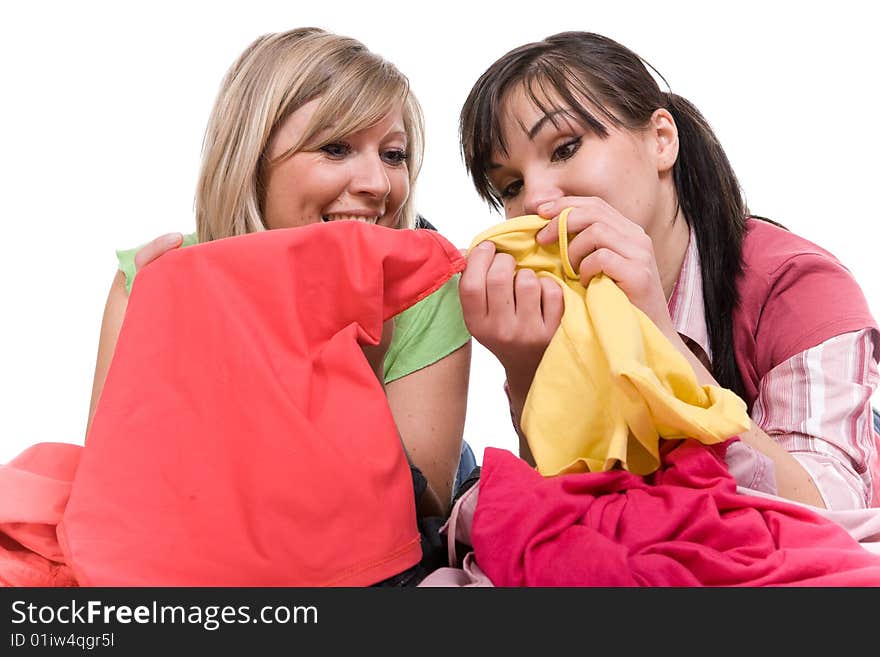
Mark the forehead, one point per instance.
(291, 129)
(531, 107)
(520, 108)
(374, 120)
(324, 122)
(392, 121)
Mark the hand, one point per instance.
(149, 252)
(605, 241)
(514, 314)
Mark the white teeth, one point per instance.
(349, 217)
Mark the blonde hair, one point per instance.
(275, 76)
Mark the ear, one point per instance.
(665, 133)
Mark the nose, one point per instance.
(370, 177)
(538, 188)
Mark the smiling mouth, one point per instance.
(349, 217)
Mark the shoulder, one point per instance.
(428, 331)
(778, 262)
(768, 249)
(437, 314)
(442, 305)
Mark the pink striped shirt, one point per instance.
(816, 404)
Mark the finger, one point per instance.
(499, 289)
(149, 252)
(552, 305)
(549, 233)
(527, 293)
(602, 235)
(550, 209)
(631, 276)
(554, 207)
(472, 285)
(584, 211)
(639, 281)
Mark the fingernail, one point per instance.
(545, 207)
(486, 245)
(172, 238)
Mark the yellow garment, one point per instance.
(610, 384)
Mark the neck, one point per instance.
(670, 246)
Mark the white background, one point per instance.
(103, 109)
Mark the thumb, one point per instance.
(152, 250)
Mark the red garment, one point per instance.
(685, 525)
(793, 296)
(242, 439)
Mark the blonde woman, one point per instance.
(310, 126)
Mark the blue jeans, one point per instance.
(876, 414)
(467, 462)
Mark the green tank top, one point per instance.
(423, 334)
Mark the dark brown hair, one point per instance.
(572, 72)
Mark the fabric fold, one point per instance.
(684, 525)
(34, 488)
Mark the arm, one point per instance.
(114, 312)
(817, 405)
(405, 394)
(429, 407)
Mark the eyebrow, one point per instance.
(535, 129)
(539, 124)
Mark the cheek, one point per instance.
(399, 182)
(513, 208)
(636, 190)
(622, 179)
(298, 191)
(600, 172)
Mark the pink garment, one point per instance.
(457, 529)
(685, 525)
(817, 406)
(815, 402)
(793, 295)
(34, 488)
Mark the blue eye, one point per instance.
(336, 150)
(566, 150)
(395, 156)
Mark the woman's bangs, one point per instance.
(353, 106)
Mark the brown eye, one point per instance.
(566, 150)
(512, 189)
